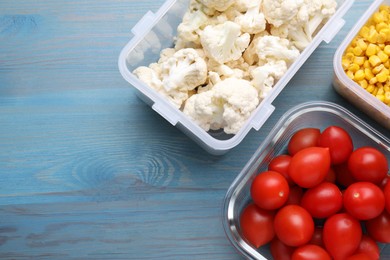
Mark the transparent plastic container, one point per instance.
(156, 31)
(349, 89)
(311, 114)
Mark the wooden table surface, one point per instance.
(87, 170)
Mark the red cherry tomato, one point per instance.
(317, 237)
(309, 166)
(342, 235)
(303, 138)
(339, 143)
(293, 225)
(280, 164)
(257, 225)
(364, 200)
(310, 252)
(379, 228)
(323, 200)
(280, 251)
(295, 195)
(369, 247)
(343, 175)
(386, 192)
(368, 164)
(269, 190)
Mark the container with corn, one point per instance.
(362, 63)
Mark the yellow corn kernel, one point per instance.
(374, 60)
(363, 83)
(380, 91)
(383, 56)
(362, 44)
(371, 49)
(375, 91)
(387, 64)
(370, 88)
(350, 74)
(380, 26)
(349, 56)
(378, 69)
(387, 98)
(345, 63)
(369, 74)
(381, 46)
(380, 97)
(364, 31)
(367, 64)
(353, 67)
(387, 49)
(359, 75)
(382, 76)
(378, 17)
(359, 60)
(381, 38)
(357, 51)
(373, 81)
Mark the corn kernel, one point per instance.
(382, 76)
(367, 64)
(387, 49)
(380, 26)
(373, 36)
(359, 75)
(378, 17)
(359, 60)
(362, 44)
(387, 98)
(357, 51)
(374, 60)
(353, 67)
(387, 64)
(350, 74)
(381, 38)
(380, 97)
(368, 73)
(383, 56)
(363, 83)
(371, 49)
(364, 31)
(378, 69)
(345, 63)
(349, 56)
(370, 88)
(373, 81)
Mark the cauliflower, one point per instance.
(226, 105)
(224, 42)
(219, 5)
(264, 77)
(298, 20)
(175, 76)
(253, 20)
(269, 47)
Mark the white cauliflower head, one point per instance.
(185, 70)
(224, 42)
(253, 20)
(278, 12)
(268, 48)
(264, 77)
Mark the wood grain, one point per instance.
(88, 171)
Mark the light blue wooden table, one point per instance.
(87, 170)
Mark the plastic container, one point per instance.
(310, 114)
(349, 89)
(156, 31)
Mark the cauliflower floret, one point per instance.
(264, 77)
(299, 19)
(269, 47)
(226, 105)
(184, 70)
(202, 109)
(188, 29)
(219, 5)
(253, 20)
(239, 99)
(224, 42)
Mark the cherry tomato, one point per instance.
(309, 166)
(257, 225)
(280, 251)
(368, 164)
(364, 200)
(317, 237)
(343, 175)
(295, 196)
(339, 143)
(342, 235)
(323, 200)
(369, 247)
(280, 164)
(293, 225)
(303, 138)
(379, 228)
(310, 252)
(269, 190)
(386, 192)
